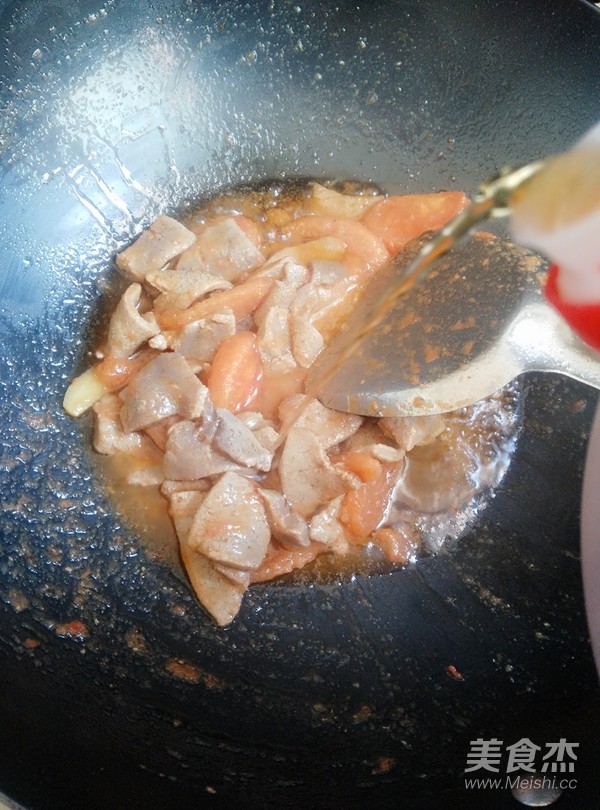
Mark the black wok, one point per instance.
(333, 695)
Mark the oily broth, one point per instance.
(143, 509)
(441, 493)
(443, 489)
(444, 483)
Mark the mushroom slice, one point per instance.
(158, 244)
(231, 527)
(128, 329)
(166, 386)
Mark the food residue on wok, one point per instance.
(199, 389)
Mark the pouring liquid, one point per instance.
(493, 200)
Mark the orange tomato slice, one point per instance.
(399, 219)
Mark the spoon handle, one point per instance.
(542, 341)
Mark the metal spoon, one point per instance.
(438, 329)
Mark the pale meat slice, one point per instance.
(328, 426)
(329, 247)
(369, 438)
(183, 286)
(359, 240)
(268, 437)
(238, 442)
(109, 435)
(332, 203)
(128, 329)
(286, 526)
(307, 341)
(158, 244)
(224, 250)
(159, 342)
(159, 431)
(308, 478)
(218, 597)
(282, 296)
(274, 341)
(190, 454)
(166, 386)
(231, 527)
(263, 429)
(235, 575)
(254, 420)
(286, 269)
(311, 299)
(385, 452)
(168, 487)
(326, 528)
(413, 431)
(183, 506)
(221, 597)
(328, 272)
(323, 305)
(200, 340)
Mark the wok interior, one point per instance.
(117, 114)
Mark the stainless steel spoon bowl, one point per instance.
(477, 321)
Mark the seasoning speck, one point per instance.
(135, 640)
(182, 670)
(74, 629)
(454, 673)
(383, 765)
(363, 714)
(18, 600)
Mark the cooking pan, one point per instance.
(117, 690)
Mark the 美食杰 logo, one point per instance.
(522, 765)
